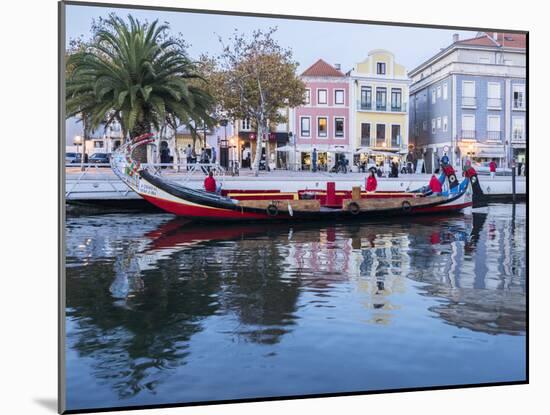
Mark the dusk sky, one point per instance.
(343, 43)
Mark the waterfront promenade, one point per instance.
(100, 183)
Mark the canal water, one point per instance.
(163, 311)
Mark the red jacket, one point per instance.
(470, 172)
(435, 185)
(371, 184)
(210, 184)
(492, 167)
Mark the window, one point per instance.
(439, 91)
(518, 127)
(381, 68)
(365, 134)
(322, 126)
(445, 123)
(396, 99)
(445, 90)
(380, 135)
(493, 127)
(395, 135)
(339, 127)
(98, 144)
(366, 97)
(339, 97)
(493, 95)
(321, 96)
(468, 94)
(305, 127)
(381, 99)
(433, 125)
(468, 126)
(245, 124)
(307, 97)
(425, 125)
(438, 123)
(433, 96)
(518, 96)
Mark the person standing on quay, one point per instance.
(189, 155)
(492, 168)
(213, 155)
(371, 182)
(314, 160)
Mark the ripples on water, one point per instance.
(163, 311)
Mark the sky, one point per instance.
(337, 43)
(343, 43)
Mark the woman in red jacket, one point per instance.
(210, 183)
(371, 182)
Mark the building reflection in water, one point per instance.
(140, 289)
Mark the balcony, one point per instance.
(468, 134)
(399, 108)
(364, 105)
(518, 137)
(494, 103)
(519, 105)
(469, 102)
(494, 135)
(380, 107)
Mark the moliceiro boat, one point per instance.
(277, 205)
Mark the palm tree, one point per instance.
(137, 75)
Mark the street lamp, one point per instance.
(78, 141)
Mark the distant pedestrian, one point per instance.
(314, 160)
(213, 155)
(210, 183)
(371, 182)
(188, 155)
(492, 168)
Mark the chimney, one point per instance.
(337, 66)
(455, 38)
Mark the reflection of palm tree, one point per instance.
(134, 348)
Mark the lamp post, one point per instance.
(77, 140)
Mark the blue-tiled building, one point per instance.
(468, 101)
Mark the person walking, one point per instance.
(492, 168)
(210, 183)
(371, 182)
(188, 155)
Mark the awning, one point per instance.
(366, 150)
(285, 148)
(321, 148)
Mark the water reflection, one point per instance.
(141, 290)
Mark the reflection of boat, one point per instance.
(276, 205)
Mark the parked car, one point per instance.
(483, 168)
(72, 158)
(100, 158)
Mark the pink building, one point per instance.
(323, 122)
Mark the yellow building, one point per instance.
(380, 91)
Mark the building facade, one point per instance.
(323, 122)
(468, 101)
(380, 93)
